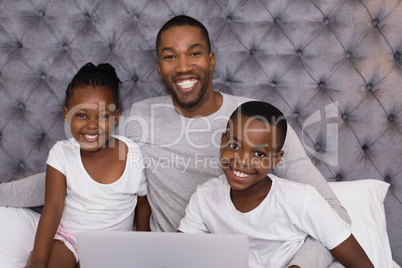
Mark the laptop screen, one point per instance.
(161, 250)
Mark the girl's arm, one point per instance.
(55, 191)
(351, 254)
(142, 214)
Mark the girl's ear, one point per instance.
(65, 114)
(276, 159)
(116, 116)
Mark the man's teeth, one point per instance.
(240, 174)
(186, 83)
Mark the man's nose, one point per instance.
(184, 65)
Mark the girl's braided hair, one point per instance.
(90, 75)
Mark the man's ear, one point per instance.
(65, 114)
(276, 159)
(211, 61)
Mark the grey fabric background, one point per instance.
(334, 67)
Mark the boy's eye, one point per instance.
(233, 146)
(80, 115)
(259, 154)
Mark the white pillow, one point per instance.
(17, 233)
(363, 199)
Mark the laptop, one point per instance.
(161, 250)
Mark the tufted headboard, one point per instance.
(334, 68)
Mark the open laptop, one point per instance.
(161, 250)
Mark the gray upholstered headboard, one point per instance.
(325, 63)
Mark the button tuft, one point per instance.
(344, 117)
(277, 21)
(321, 85)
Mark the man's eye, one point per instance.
(233, 145)
(168, 57)
(193, 54)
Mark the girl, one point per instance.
(92, 179)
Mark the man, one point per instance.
(180, 134)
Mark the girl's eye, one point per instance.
(80, 115)
(233, 146)
(105, 116)
(259, 154)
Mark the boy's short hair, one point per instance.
(267, 113)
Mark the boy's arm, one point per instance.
(351, 254)
(50, 218)
(142, 214)
(296, 166)
(26, 192)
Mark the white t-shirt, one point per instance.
(276, 228)
(90, 205)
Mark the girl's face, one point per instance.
(92, 114)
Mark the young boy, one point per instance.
(276, 214)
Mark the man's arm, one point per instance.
(296, 166)
(26, 192)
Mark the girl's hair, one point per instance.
(90, 75)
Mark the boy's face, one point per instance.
(185, 65)
(248, 151)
